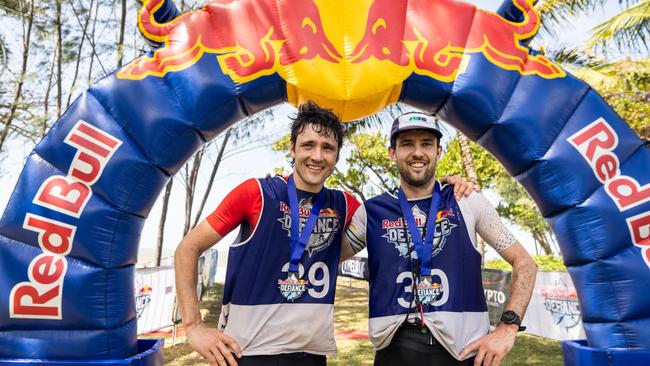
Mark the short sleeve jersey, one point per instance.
(254, 312)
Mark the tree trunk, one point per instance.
(480, 246)
(545, 244)
(59, 59)
(212, 175)
(91, 40)
(163, 218)
(536, 239)
(79, 50)
(23, 71)
(466, 156)
(190, 188)
(120, 39)
(46, 102)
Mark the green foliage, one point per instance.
(549, 262)
(282, 144)
(370, 170)
(490, 172)
(498, 264)
(516, 206)
(634, 108)
(628, 28)
(544, 262)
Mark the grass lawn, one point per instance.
(350, 312)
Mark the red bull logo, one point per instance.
(431, 44)
(597, 143)
(256, 43)
(336, 60)
(42, 296)
(444, 214)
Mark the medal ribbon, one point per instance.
(423, 248)
(299, 240)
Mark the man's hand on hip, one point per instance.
(492, 348)
(218, 348)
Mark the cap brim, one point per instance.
(435, 131)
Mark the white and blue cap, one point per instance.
(414, 121)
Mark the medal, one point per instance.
(293, 287)
(426, 291)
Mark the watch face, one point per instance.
(509, 316)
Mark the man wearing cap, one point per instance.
(427, 305)
(281, 277)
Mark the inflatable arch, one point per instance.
(69, 235)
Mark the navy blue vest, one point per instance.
(456, 264)
(256, 264)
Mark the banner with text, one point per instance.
(553, 312)
(355, 267)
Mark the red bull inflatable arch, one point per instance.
(69, 235)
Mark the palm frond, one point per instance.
(553, 12)
(378, 120)
(598, 79)
(576, 57)
(603, 75)
(626, 28)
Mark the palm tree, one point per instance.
(627, 29)
(624, 83)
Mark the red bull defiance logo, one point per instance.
(562, 302)
(309, 45)
(142, 300)
(327, 225)
(398, 234)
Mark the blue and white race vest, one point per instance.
(458, 315)
(254, 312)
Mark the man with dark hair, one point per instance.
(279, 290)
(427, 305)
(280, 278)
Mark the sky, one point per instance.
(255, 159)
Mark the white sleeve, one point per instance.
(356, 231)
(480, 217)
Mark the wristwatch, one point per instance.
(510, 317)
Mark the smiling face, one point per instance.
(416, 153)
(315, 153)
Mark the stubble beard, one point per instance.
(414, 181)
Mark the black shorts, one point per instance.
(413, 345)
(285, 359)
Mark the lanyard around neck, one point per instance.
(299, 241)
(424, 248)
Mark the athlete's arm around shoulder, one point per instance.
(492, 348)
(354, 230)
(241, 204)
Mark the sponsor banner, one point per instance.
(154, 298)
(355, 267)
(554, 311)
(209, 273)
(496, 286)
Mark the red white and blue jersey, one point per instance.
(458, 314)
(254, 312)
